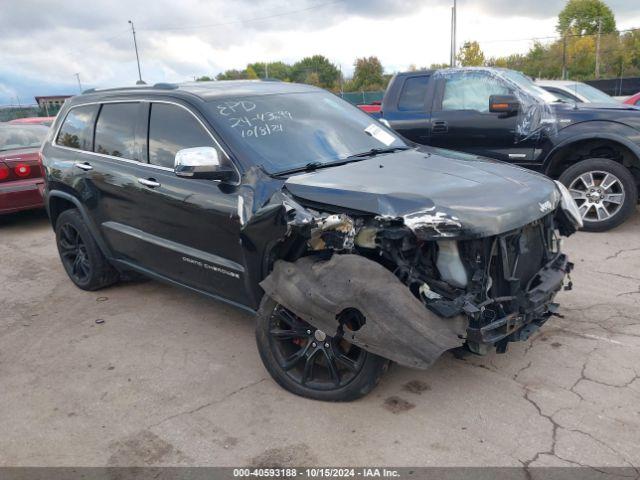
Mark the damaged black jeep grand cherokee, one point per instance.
(354, 247)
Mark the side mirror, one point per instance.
(508, 104)
(201, 162)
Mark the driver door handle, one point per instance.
(149, 182)
(83, 166)
(440, 126)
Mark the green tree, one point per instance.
(204, 78)
(470, 55)
(316, 70)
(232, 75)
(581, 17)
(250, 73)
(368, 74)
(277, 70)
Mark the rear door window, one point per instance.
(77, 128)
(115, 130)
(414, 91)
(172, 128)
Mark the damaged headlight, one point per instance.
(428, 224)
(569, 206)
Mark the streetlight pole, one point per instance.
(454, 11)
(135, 44)
(79, 84)
(597, 73)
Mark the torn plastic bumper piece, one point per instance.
(396, 325)
(537, 307)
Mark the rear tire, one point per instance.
(604, 190)
(353, 374)
(81, 257)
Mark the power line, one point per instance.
(247, 20)
(556, 37)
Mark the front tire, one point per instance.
(81, 257)
(605, 192)
(306, 362)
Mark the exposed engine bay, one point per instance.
(409, 288)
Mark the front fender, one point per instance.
(594, 130)
(50, 194)
(397, 325)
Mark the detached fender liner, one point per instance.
(397, 325)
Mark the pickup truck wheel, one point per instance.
(307, 362)
(605, 192)
(83, 261)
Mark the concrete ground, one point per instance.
(170, 377)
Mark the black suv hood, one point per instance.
(569, 113)
(486, 197)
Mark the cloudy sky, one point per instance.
(43, 43)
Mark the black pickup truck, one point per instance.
(593, 149)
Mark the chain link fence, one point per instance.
(362, 98)
(11, 112)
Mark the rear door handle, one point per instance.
(149, 182)
(440, 126)
(84, 166)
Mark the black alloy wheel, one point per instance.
(73, 253)
(310, 363)
(309, 356)
(81, 257)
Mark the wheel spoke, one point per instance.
(345, 361)
(289, 318)
(309, 363)
(617, 198)
(578, 194)
(333, 368)
(602, 212)
(76, 265)
(587, 179)
(293, 360)
(608, 181)
(584, 209)
(288, 334)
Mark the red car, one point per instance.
(634, 100)
(33, 121)
(21, 182)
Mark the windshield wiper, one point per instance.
(312, 166)
(377, 151)
(309, 167)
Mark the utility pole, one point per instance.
(79, 84)
(452, 60)
(598, 47)
(135, 44)
(564, 56)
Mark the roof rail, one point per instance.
(166, 86)
(159, 86)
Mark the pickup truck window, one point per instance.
(172, 128)
(287, 131)
(77, 129)
(115, 130)
(471, 91)
(412, 96)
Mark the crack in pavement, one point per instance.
(624, 250)
(619, 275)
(208, 404)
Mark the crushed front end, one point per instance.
(424, 282)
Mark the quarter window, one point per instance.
(471, 91)
(413, 94)
(77, 129)
(115, 130)
(172, 128)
